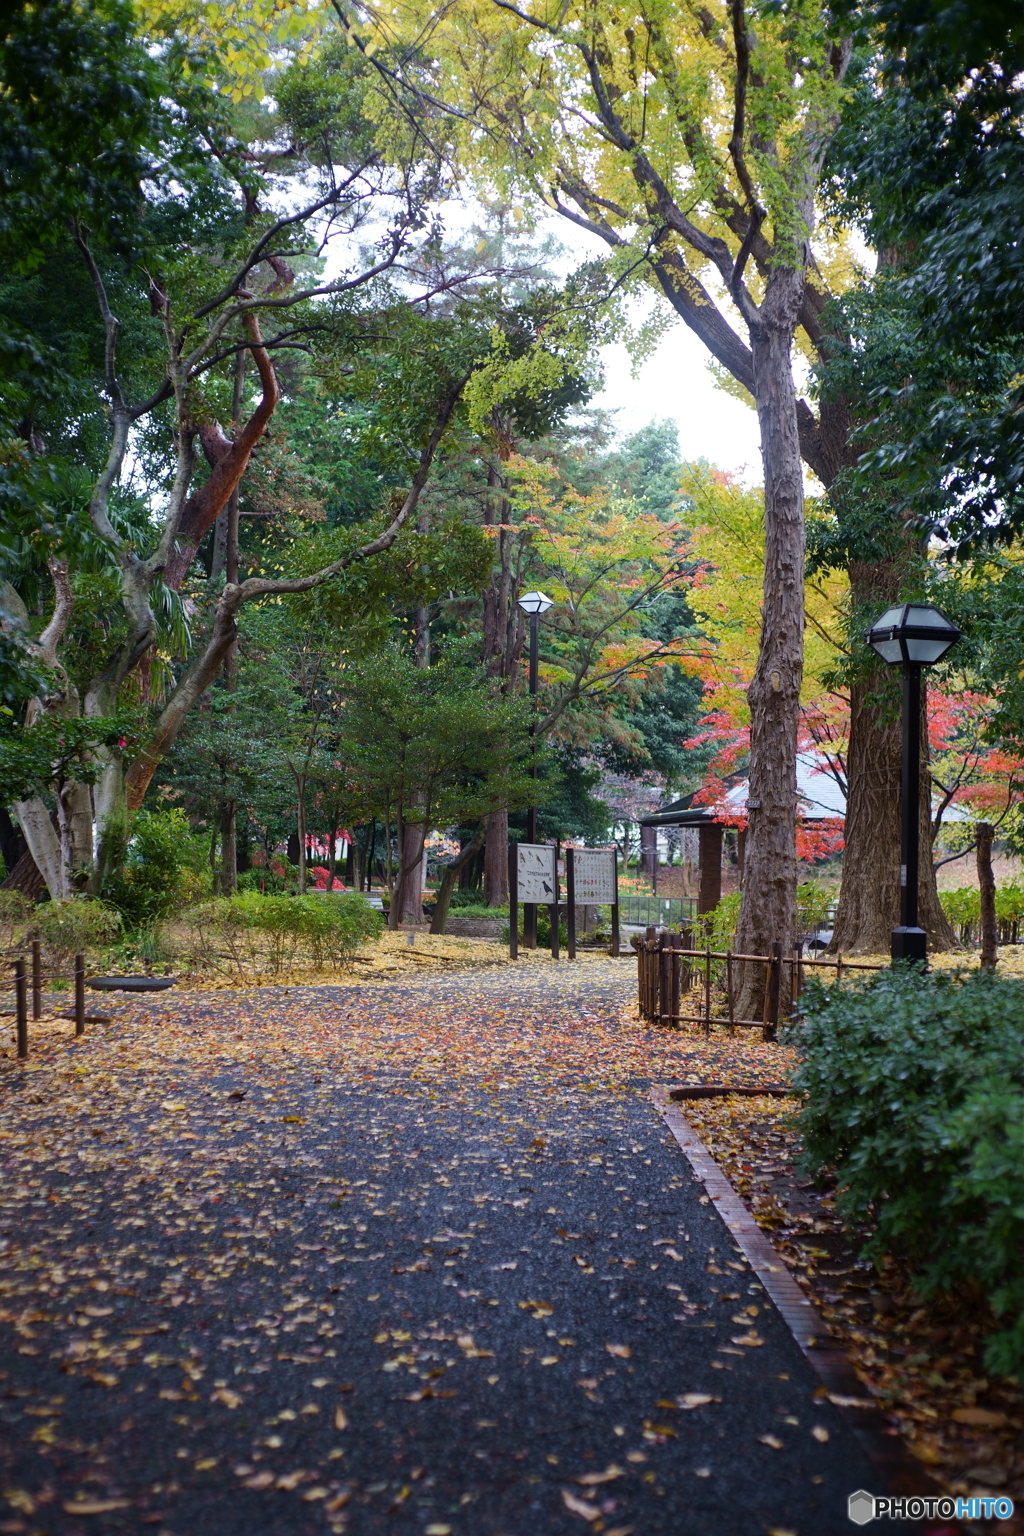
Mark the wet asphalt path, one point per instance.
(417, 1259)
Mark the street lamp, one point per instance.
(911, 635)
(533, 604)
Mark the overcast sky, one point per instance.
(675, 383)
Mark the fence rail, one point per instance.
(28, 979)
(656, 911)
(670, 970)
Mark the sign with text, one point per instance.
(594, 869)
(536, 877)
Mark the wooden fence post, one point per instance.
(728, 991)
(79, 994)
(37, 980)
(773, 993)
(570, 899)
(513, 901)
(21, 1007)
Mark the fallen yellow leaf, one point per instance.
(982, 1418)
(578, 1506)
(620, 1351)
(592, 1479)
(96, 1506)
(340, 1418)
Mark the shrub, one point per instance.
(15, 911)
(249, 936)
(69, 928)
(467, 899)
(1010, 911)
(156, 868)
(477, 909)
(717, 929)
(914, 1093)
(963, 908)
(812, 906)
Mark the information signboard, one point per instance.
(595, 882)
(537, 880)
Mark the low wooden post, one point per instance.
(37, 980)
(615, 907)
(553, 915)
(513, 901)
(570, 899)
(707, 990)
(21, 1007)
(773, 993)
(641, 975)
(674, 991)
(80, 994)
(664, 978)
(653, 963)
(728, 991)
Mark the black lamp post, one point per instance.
(533, 604)
(913, 635)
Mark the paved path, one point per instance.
(418, 1259)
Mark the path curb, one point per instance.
(898, 1472)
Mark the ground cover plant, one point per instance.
(922, 1364)
(914, 1095)
(248, 937)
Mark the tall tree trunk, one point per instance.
(300, 785)
(407, 897)
(768, 910)
(987, 886)
(496, 860)
(44, 845)
(439, 920)
(869, 896)
(228, 849)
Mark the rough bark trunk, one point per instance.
(496, 860)
(24, 876)
(300, 785)
(228, 850)
(768, 910)
(439, 920)
(869, 896)
(44, 845)
(987, 885)
(407, 897)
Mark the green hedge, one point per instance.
(914, 1094)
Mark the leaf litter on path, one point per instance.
(263, 1245)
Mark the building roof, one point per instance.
(822, 798)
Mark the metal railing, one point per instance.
(656, 911)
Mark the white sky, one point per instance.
(674, 382)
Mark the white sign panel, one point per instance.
(538, 882)
(595, 876)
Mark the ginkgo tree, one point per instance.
(727, 543)
(690, 141)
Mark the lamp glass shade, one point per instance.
(535, 602)
(913, 633)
